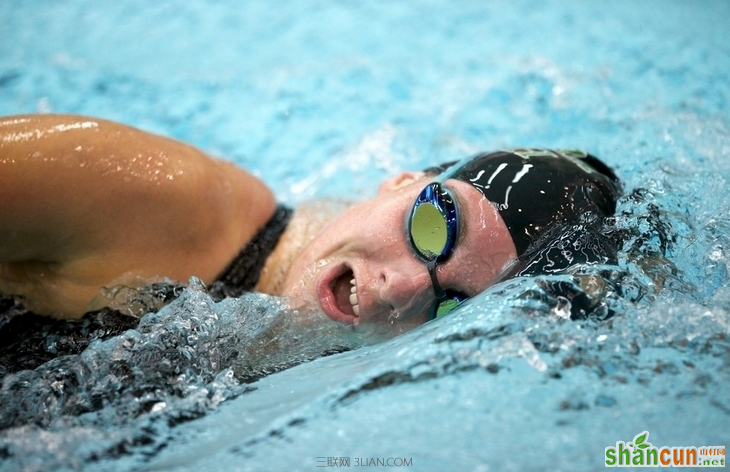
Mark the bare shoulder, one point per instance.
(98, 199)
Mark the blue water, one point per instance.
(325, 99)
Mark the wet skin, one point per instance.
(368, 243)
(86, 203)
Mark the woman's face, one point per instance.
(361, 267)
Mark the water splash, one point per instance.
(175, 366)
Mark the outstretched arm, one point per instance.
(85, 201)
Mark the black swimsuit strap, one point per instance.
(243, 272)
(28, 340)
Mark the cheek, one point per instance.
(301, 280)
(384, 235)
(381, 227)
(477, 273)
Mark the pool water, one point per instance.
(325, 99)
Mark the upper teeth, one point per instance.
(353, 298)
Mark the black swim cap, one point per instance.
(535, 188)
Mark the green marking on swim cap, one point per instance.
(527, 153)
(577, 157)
(578, 153)
(428, 230)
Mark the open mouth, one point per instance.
(339, 297)
(346, 293)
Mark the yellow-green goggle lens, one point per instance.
(446, 307)
(428, 230)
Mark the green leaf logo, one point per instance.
(639, 441)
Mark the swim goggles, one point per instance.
(433, 228)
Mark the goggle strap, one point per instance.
(437, 290)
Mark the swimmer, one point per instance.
(87, 203)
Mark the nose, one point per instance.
(406, 286)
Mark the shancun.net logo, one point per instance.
(640, 452)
